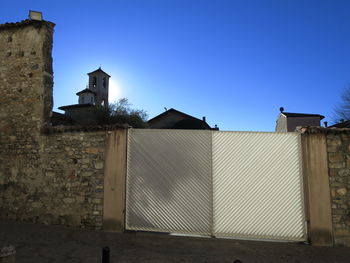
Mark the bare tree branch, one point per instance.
(342, 111)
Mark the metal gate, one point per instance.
(225, 184)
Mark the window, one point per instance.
(104, 82)
(82, 99)
(94, 81)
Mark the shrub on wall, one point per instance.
(121, 112)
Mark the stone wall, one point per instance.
(26, 76)
(337, 163)
(25, 94)
(52, 175)
(67, 187)
(25, 105)
(338, 149)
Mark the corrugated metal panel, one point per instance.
(169, 181)
(257, 185)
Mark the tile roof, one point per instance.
(290, 114)
(86, 91)
(171, 111)
(345, 124)
(86, 105)
(183, 122)
(98, 70)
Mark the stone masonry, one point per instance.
(74, 170)
(338, 163)
(68, 187)
(25, 105)
(47, 175)
(338, 148)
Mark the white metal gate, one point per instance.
(226, 184)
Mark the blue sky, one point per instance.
(235, 62)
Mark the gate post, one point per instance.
(317, 192)
(114, 181)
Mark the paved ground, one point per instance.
(41, 243)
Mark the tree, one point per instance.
(120, 112)
(342, 111)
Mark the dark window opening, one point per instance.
(104, 82)
(94, 82)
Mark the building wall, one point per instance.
(25, 106)
(102, 92)
(281, 123)
(86, 98)
(67, 186)
(83, 115)
(293, 122)
(338, 149)
(26, 78)
(47, 174)
(289, 124)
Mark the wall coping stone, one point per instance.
(323, 130)
(84, 128)
(26, 22)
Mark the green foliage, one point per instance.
(120, 112)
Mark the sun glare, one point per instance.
(114, 90)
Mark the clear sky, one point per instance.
(235, 62)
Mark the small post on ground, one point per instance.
(105, 255)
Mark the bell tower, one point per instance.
(99, 83)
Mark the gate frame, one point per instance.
(316, 190)
(317, 198)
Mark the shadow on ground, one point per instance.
(40, 243)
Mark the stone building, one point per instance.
(90, 99)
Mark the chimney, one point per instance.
(204, 119)
(35, 15)
(325, 124)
